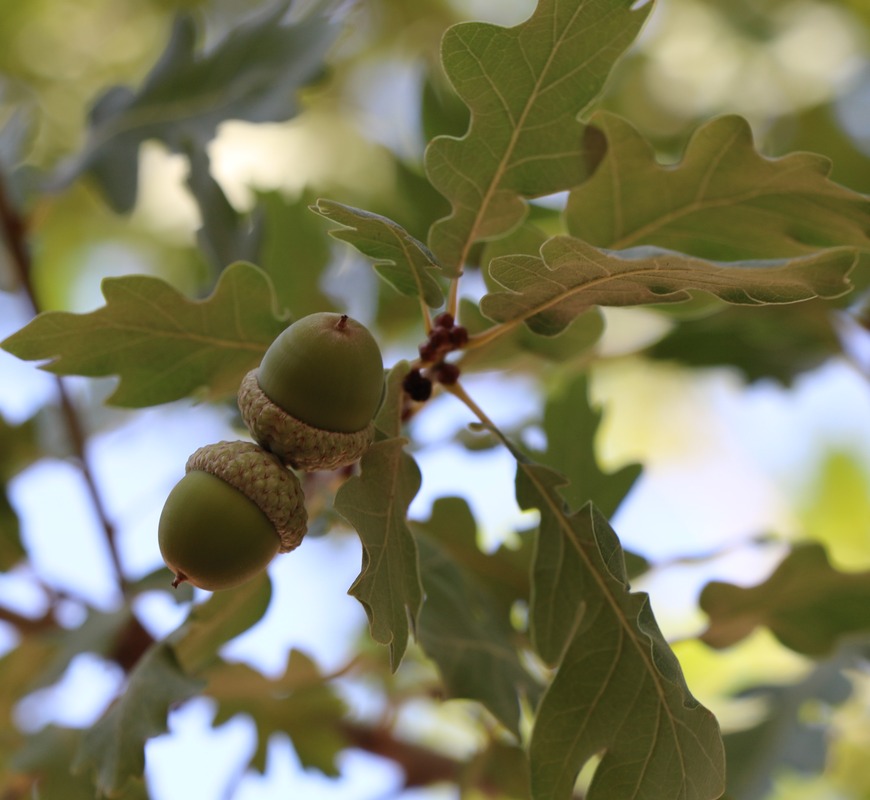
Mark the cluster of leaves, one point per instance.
(588, 671)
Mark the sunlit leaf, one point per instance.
(225, 615)
(462, 626)
(786, 737)
(525, 87)
(376, 502)
(114, 748)
(549, 291)
(835, 509)
(807, 604)
(253, 74)
(402, 261)
(723, 201)
(299, 703)
(163, 345)
(619, 691)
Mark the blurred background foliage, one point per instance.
(798, 70)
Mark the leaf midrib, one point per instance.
(501, 169)
(613, 603)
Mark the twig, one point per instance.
(14, 229)
(26, 625)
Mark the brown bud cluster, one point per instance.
(444, 337)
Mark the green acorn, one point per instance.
(312, 400)
(236, 507)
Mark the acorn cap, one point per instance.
(262, 478)
(293, 441)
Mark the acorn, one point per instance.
(236, 507)
(312, 400)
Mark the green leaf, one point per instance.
(570, 276)
(462, 627)
(163, 345)
(253, 75)
(300, 704)
(294, 253)
(619, 689)
(19, 671)
(225, 235)
(11, 547)
(402, 261)
(778, 342)
(525, 87)
(376, 502)
(222, 617)
(47, 756)
(114, 748)
(571, 425)
(807, 604)
(520, 344)
(723, 201)
(502, 768)
(388, 420)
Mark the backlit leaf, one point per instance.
(549, 291)
(163, 345)
(723, 201)
(299, 703)
(376, 502)
(619, 691)
(571, 425)
(525, 87)
(253, 75)
(462, 626)
(400, 259)
(807, 604)
(114, 748)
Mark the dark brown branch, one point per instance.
(25, 625)
(421, 765)
(14, 228)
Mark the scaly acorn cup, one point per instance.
(312, 400)
(236, 507)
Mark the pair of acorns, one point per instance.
(310, 406)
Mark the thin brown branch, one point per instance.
(14, 228)
(25, 625)
(422, 766)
